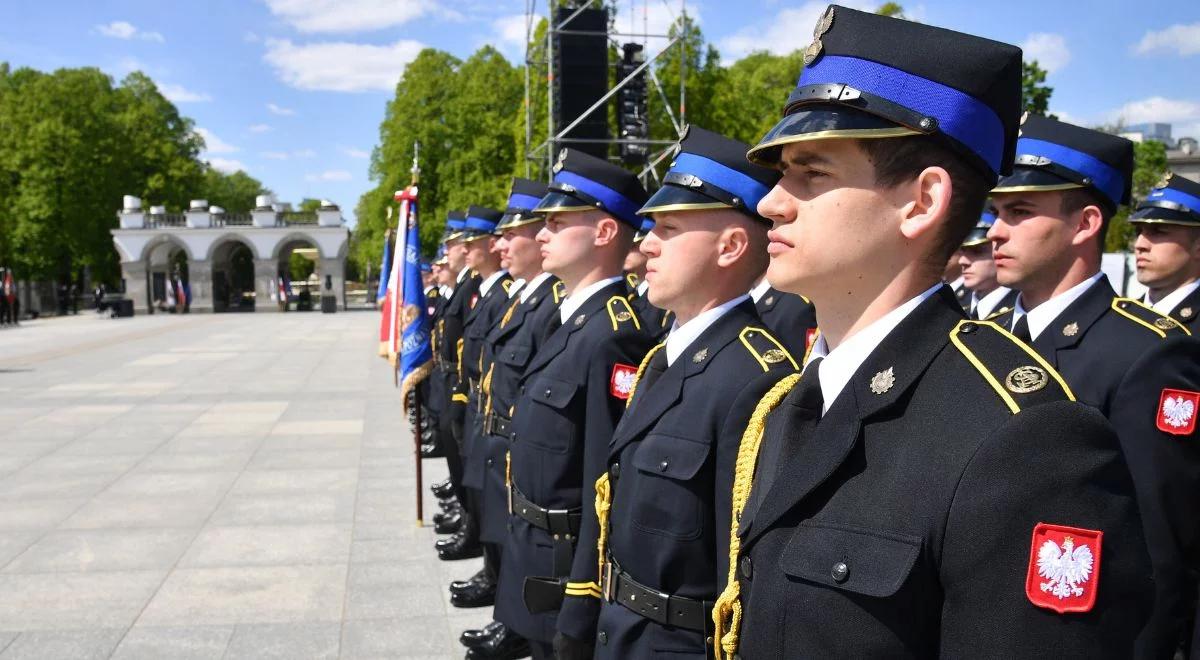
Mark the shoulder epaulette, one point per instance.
(998, 313)
(632, 279)
(507, 284)
(1015, 371)
(765, 349)
(619, 311)
(1148, 318)
(560, 291)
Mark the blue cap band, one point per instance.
(986, 220)
(519, 201)
(726, 178)
(961, 116)
(456, 225)
(479, 224)
(647, 225)
(1175, 196)
(1105, 178)
(616, 203)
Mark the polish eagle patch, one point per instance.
(1064, 568)
(1177, 411)
(623, 377)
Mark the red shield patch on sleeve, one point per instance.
(810, 338)
(621, 383)
(1177, 412)
(474, 299)
(1064, 568)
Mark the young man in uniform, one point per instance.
(927, 488)
(512, 343)
(1136, 366)
(979, 273)
(571, 395)
(664, 504)
(1168, 249)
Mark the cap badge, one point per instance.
(774, 356)
(562, 157)
(1165, 180)
(1024, 380)
(1071, 329)
(883, 381)
(700, 356)
(814, 49)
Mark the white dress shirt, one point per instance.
(682, 336)
(983, 307)
(839, 365)
(1044, 314)
(533, 285)
(573, 302)
(955, 285)
(760, 290)
(1170, 301)
(515, 288)
(642, 287)
(491, 280)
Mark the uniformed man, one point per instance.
(790, 316)
(664, 505)
(449, 335)
(953, 276)
(658, 320)
(512, 343)
(1138, 367)
(572, 394)
(928, 488)
(1168, 249)
(428, 416)
(979, 273)
(635, 261)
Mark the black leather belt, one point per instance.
(559, 522)
(497, 424)
(668, 610)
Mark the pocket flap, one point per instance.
(553, 392)
(865, 561)
(515, 356)
(670, 456)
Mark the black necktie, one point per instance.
(807, 397)
(658, 364)
(1021, 329)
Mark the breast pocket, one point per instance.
(549, 423)
(667, 499)
(515, 356)
(854, 559)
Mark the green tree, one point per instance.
(1149, 166)
(752, 96)
(233, 192)
(309, 205)
(892, 9)
(1035, 93)
(702, 70)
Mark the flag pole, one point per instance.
(416, 171)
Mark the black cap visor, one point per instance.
(822, 122)
(1160, 215)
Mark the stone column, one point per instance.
(266, 282)
(335, 269)
(137, 288)
(200, 276)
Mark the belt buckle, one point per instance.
(606, 579)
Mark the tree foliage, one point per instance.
(1035, 93)
(233, 192)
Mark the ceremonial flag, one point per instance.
(383, 298)
(10, 289)
(180, 295)
(385, 268)
(409, 347)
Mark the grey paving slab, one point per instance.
(177, 643)
(285, 641)
(72, 601)
(410, 637)
(76, 550)
(295, 459)
(127, 511)
(96, 643)
(266, 509)
(36, 514)
(296, 481)
(269, 545)
(266, 594)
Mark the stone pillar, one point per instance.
(266, 282)
(200, 275)
(137, 288)
(264, 217)
(335, 269)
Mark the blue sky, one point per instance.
(293, 91)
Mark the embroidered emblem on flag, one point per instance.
(1064, 568)
(621, 383)
(1177, 411)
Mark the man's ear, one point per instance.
(732, 246)
(928, 205)
(1089, 225)
(607, 231)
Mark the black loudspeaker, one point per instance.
(581, 77)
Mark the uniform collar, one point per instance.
(491, 280)
(682, 336)
(760, 290)
(983, 307)
(1044, 314)
(642, 287)
(840, 364)
(533, 285)
(957, 284)
(445, 290)
(1170, 301)
(462, 275)
(574, 301)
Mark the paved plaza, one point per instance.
(213, 486)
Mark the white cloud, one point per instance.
(1049, 49)
(180, 94)
(1180, 39)
(789, 30)
(304, 153)
(274, 155)
(251, 38)
(126, 30)
(510, 36)
(258, 128)
(341, 66)
(329, 175)
(277, 110)
(1182, 114)
(227, 165)
(349, 15)
(356, 153)
(651, 18)
(214, 144)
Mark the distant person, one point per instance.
(987, 297)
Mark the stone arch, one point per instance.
(225, 239)
(234, 286)
(158, 241)
(293, 237)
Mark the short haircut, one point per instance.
(1075, 199)
(900, 160)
